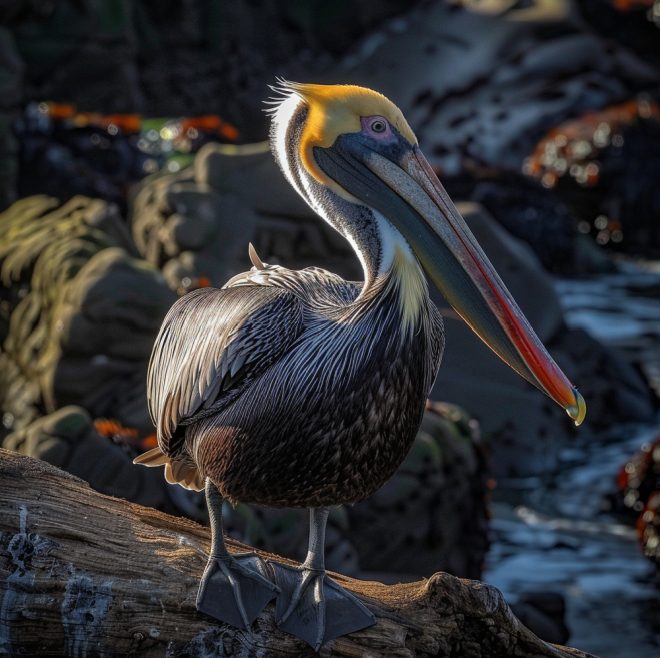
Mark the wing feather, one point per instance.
(211, 342)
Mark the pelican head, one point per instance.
(351, 154)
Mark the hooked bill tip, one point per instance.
(577, 411)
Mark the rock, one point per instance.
(69, 440)
(534, 214)
(108, 318)
(617, 391)
(633, 24)
(589, 259)
(86, 57)
(648, 529)
(81, 311)
(545, 614)
(137, 56)
(11, 91)
(65, 157)
(196, 224)
(485, 87)
(244, 170)
(638, 496)
(230, 73)
(287, 230)
(604, 165)
(191, 231)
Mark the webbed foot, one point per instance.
(235, 589)
(314, 607)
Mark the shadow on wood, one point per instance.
(83, 574)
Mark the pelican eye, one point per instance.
(378, 125)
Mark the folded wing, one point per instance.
(211, 344)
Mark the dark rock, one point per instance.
(190, 231)
(81, 311)
(107, 320)
(605, 165)
(638, 496)
(250, 173)
(83, 54)
(287, 230)
(486, 86)
(544, 613)
(648, 528)
(533, 214)
(513, 414)
(68, 439)
(63, 159)
(615, 389)
(137, 56)
(633, 24)
(218, 43)
(11, 90)
(65, 151)
(196, 224)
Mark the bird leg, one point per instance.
(311, 605)
(234, 588)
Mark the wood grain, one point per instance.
(83, 575)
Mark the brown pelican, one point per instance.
(299, 389)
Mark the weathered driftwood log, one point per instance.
(83, 574)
